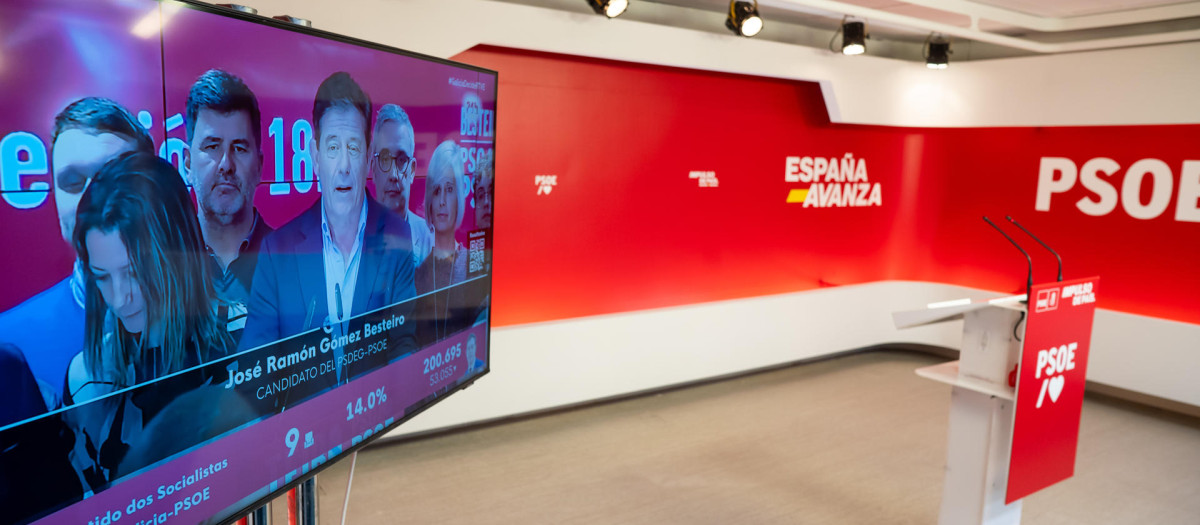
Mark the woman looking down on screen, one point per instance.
(445, 194)
(150, 307)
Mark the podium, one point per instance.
(1016, 396)
(981, 407)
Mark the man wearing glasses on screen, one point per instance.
(393, 168)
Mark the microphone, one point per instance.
(1044, 245)
(312, 307)
(337, 295)
(1028, 259)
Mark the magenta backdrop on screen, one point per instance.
(435, 108)
(90, 44)
(51, 53)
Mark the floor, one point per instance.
(856, 439)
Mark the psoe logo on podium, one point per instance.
(1047, 300)
(1053, 363)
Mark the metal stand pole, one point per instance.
(349, 483)
(260, 516)
(306, 502)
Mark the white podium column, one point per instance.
(981, 410)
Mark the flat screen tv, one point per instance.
(232, 249)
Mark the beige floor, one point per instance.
(858, 439)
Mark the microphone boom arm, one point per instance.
(1044, 245)
(1028, 259)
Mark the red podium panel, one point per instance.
(1050, 385)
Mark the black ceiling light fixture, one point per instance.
(743, 18)
(854, 37)
(609, 8)
(937, 52)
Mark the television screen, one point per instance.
(234, 250)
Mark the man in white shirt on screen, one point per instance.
(344, 256)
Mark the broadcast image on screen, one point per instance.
(241, 249)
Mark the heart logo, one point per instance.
(1056, 386)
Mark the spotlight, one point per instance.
(937, 52)
(854, 38)
(609, 8)
(743, 18)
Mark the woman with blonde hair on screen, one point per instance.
(445, 202)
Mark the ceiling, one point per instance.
(977, 29)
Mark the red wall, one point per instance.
(625, 228)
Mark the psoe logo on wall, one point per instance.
(545, 183)
(1099, 177)
(832, 182)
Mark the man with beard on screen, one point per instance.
(394, 167)
(344, 256)
(224, 162)
(87, 133)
